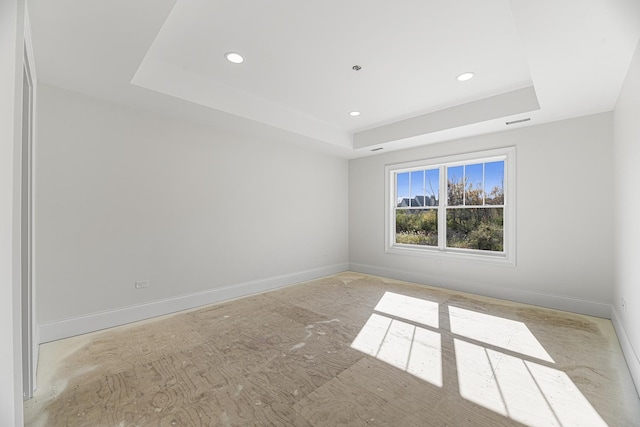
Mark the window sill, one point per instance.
(500, 258)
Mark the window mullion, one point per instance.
(424, 187)
(464, 185)
(483, 185)
(442, 209)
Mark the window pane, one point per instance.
(432, 187)
(476, 228)
(473, 184)
(417, 227)
(455, 186)
(402, 190)
(417, 188)
(494, 183)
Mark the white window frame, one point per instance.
(441, 252)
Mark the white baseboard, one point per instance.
(591, 308)
(631, 357)
(107, 319)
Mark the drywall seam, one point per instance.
(633, 362)
(557, 302)
(107, 319)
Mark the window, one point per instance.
(458, 206)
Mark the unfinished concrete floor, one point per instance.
(348, 349)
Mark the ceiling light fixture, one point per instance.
(354, 113)
(465, 76)
(234, 57)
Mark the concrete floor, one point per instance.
(348, 349)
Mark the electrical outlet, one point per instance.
(623, 304)
(142, 284)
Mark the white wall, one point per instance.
(564, 227)
(626, 192)
(127, 195)
(11, 48)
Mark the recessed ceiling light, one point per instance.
(234, 57)
(354, 113)
(465, 76)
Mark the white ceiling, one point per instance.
(545, 60)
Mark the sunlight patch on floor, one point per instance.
(403, 345)
(564, 397)
(530, 393)
(527, 392)
(414, 309)
(504, 333)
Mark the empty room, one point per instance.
(409, 213)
